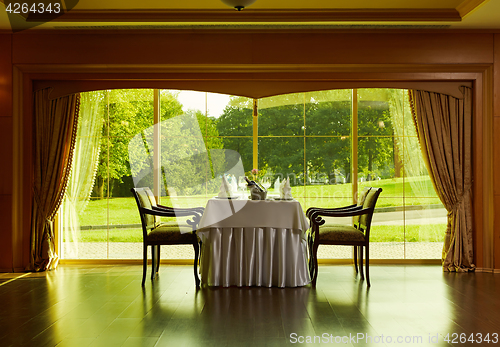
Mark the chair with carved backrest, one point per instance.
(355, 220)
(156, 233)
(358, 235)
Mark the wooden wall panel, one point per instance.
(5, 76)
(6, 139)
(374, 48)
(132, 49)
(6, 155)
(244, 48)
(496, 150)
(496, 240)
(6, 152)
(6, 233)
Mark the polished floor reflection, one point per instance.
(106, 306)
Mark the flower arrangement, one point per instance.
(256, 174)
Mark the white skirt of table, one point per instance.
(264, 257)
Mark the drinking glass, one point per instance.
(266, 182)
(242, 183)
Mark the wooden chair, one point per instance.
(355, 220)
(358, 235)
(156, 234)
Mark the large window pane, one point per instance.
(328, 112)
(304, 136)
(236, 118)
(425, 226)
(376, 165)
(387, 237)
(282, 115)
(130, 112)
(284, 157)
(328, 160)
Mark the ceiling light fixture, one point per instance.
(238, 4)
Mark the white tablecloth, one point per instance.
(253, 243)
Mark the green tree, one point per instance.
(235, 127)
(330, 155)
(128, 112)
(186, 160)
(375, 139)
(283, 153)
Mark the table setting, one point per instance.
(257, 191)
(253, 239)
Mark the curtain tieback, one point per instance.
(36, 196)
(467, 191)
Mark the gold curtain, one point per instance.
(444, 129)
(55, 127)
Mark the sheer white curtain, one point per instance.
(82, 176)
(406, 143)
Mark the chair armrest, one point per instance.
(316, 215)
(176, 212)
(342, 213)
(171, 212)
(195, 209)
(313, 209)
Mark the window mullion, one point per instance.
(156, 145)
(354, 145)
(255, 125)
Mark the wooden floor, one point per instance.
(106, 306)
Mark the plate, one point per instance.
(227, 197)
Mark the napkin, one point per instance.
(234, 185)
(226, 189)
(282, 187)
(287, 190)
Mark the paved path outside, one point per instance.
(133, 250)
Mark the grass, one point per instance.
(411, 233)
(123, 210)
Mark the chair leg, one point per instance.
(153, 251)
(367, 266)
(196, 247)
(315, 263)
(361, 262)
(356, 258)
(309, 247)
(158, 260)
(144, 263)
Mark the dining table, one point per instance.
(253, 243)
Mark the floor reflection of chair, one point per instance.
(337, 234)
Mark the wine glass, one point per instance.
(242, 184)
(266, 182)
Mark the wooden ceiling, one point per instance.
(351, 14)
